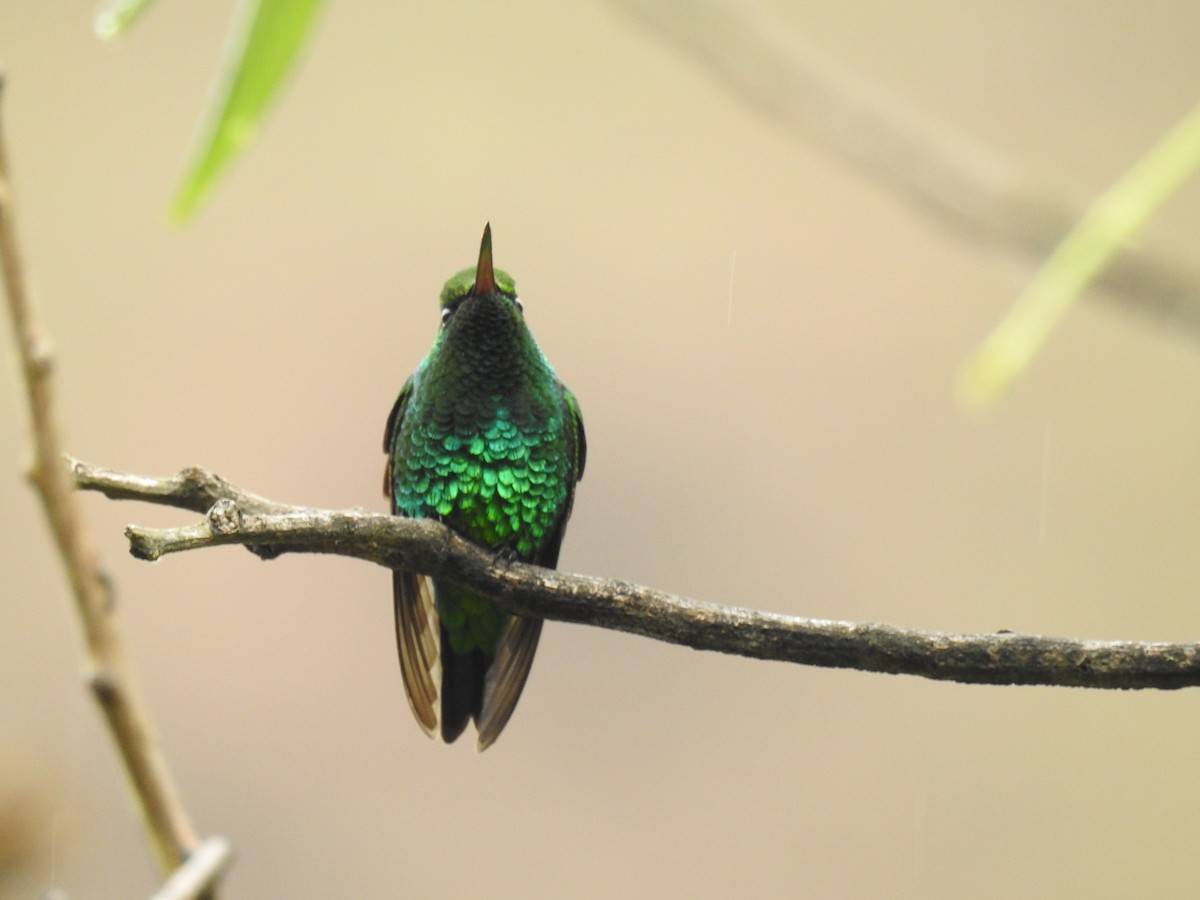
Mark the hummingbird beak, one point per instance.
(485, 278)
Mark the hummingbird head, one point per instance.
(483, 325)
(481, 281)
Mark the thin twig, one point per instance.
(109, 674)
(200, 873)
(426, 546)
(960, 180)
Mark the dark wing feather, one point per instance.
(578, 438)
(547, 555)
(506, 677)
(390, 431)
(417, 640)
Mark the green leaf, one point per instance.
(262, 49)
(114, 20)
(1115, 217)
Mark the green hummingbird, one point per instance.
(485, 438)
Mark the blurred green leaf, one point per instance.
(265, 43)
(115, 18)
(1113, 219)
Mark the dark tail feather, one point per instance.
(462, 688)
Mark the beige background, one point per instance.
(803, 455)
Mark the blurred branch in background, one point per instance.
(23, 824)
(423, 545)
(109, 672)
(1111, 221)
(958, 179)
(773, 69)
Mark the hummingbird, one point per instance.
(486, 439)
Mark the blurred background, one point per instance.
(763, 341)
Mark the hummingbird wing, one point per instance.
(417, 626)
(518, 642)
(418, 642)
(547, 554)
(395, 417)
(506, 677)
(578, 438)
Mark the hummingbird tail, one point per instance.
(462, 688)
(486, 688)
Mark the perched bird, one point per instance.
(485, 438)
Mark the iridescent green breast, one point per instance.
(499, 485)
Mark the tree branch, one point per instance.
(426, 546)
(109, 673)
(958, 179)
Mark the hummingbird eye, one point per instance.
(520, 306)
(446, 314)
